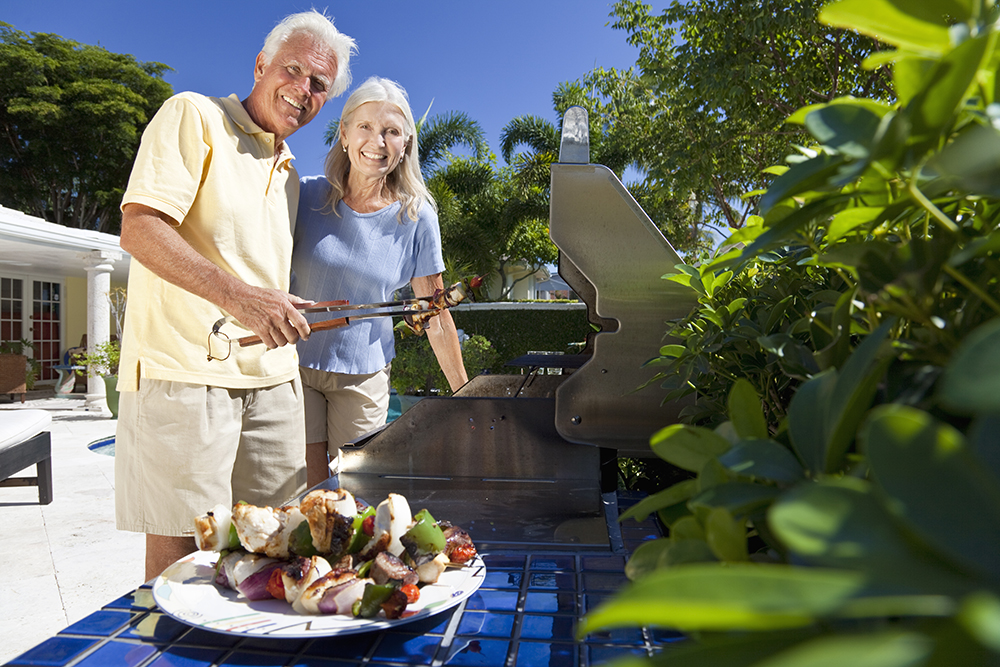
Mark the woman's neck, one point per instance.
(367, 196)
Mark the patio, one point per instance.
(62, 561)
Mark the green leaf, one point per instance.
(726, 537)
(933, 109)
(849, 129)
(888, 648)
(672, 350)
(840, 523)
(677, 493)
(909, 454)
(980, 616)
(764, 459)
(807, 416)
(725, 597)
(802, 177)
(918, 26)
(646, 558)
(739, 498)
(850, 219)
(745, 411)
(687, 528)
(971, 382)
(969, 163)
(687, 447)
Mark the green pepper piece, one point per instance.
(359, 539)
(234, 538)
(372, 599)
(300, 541)
(424, 536)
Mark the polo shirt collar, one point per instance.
(234, 108)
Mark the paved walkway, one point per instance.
(61, 562)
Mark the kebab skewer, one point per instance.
(416, 313)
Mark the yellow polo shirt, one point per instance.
(207, 165)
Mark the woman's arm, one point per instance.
(442, 334)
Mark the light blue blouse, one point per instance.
(362, 257)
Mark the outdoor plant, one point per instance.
(101, 360)
(845, 504)
(33, 369)
(415, 369)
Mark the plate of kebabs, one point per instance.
(330, 565)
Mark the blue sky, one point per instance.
(492, 60)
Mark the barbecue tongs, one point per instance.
(415, 312)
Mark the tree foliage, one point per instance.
(845, 504)
(490, 219)
(715, 81)
(71, 117)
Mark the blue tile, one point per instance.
(246, 659)
(409, 649)
(286, 646)
(54, 652)
(481, 652)
(492, 600)
(348, 647)
(486, 625)
(617, 636)
(550, 602)
(546, 655)
(599, 655)
(665, 636)
(502, 580)
(100, 623)
(121, 654)
(322, 662)
(154, 627)
(603, 563)
(552, 581)
(202, 637)
(139, 600)
(186, 656)
(548, 627)
(435, 625)
(506, 561)
(603, 581)
(563, 563)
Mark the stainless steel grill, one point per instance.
(530, 461)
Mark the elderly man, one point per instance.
(208, 217)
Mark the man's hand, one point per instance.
(272, 315)
(151, 238)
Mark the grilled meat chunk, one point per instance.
(386, 568)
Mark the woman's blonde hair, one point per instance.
(405, 183)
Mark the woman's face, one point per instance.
(374, 137)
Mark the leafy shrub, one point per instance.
(415, 369)
(846, 366)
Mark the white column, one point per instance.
(99, 264)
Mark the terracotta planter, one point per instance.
(13, 374)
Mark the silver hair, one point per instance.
(405, 183)
(320, 27)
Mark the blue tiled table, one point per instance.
(524, 614)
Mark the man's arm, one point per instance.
(150, 237)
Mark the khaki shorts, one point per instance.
(342, 407)
(183, 448)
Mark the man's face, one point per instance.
(290, 90)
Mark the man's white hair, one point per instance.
(320, 27)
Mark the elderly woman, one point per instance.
(364, 230)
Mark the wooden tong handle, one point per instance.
(315, 326)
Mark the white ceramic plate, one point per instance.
(186, 591)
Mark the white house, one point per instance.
(54, 287)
